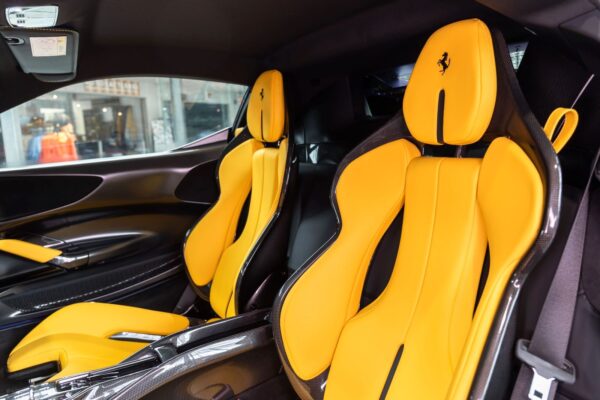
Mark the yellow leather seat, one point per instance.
(78, 337)
(423, 336)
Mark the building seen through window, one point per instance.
(115, 117)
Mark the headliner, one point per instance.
(232, 40)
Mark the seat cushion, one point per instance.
(78, 337)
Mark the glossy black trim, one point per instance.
(106, 243)
(440, 116)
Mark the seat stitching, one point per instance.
(95, 291)
(464, 257)
(426, 264)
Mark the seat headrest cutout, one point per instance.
(451, 93)
(266, 107)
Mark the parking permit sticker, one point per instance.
(51, 46)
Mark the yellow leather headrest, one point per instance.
(266, 107)
(451, 93)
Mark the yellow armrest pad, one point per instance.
(28, 250)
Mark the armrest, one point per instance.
(30, 251)
(77, 253)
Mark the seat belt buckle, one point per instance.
(540, 386)
(544, 373)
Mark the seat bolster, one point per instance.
(326, 294)
(268, 171)
(216, 230)
(511, 199)
(103, 320)
(75, 330)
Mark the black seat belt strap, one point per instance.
(544, 356)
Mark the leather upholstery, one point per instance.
(511, 198)
(424, 336)
(266, 107)
(210, 245)
(457, 63)
(28, 250)
(77, 336)
(454, 210)
(268, 170)
(215, 232)
(316, 310)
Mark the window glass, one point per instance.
(517, 51)
(2, 156)
(115, 117)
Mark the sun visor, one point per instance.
(49, 54)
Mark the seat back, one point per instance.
(256, 163)
(424, 335)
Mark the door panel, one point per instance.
(27, 195)
(130, 181)
(120, 224)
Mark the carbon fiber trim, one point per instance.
(193, 360)
(108, 389)
(514, 117)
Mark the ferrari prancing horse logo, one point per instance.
(444, 62)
